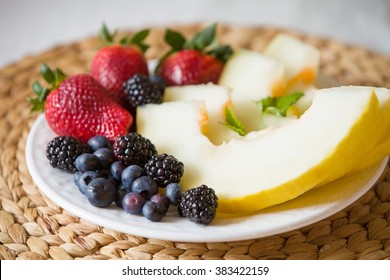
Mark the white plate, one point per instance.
(311, 207)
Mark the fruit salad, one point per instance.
(210, 130)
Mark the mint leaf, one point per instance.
(278, 105)
(234, 123)
(284, 102)
(264, 103)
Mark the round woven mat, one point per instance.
(33, 227)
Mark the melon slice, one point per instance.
(252, 76)
(270, 166)
(377, 134)
(381, 145)
(300, 60)
(216, 99)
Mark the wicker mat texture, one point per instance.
(33, 227)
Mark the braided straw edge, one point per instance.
(33, 227)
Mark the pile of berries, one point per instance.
(103, 101)
(95, 113)
(131, 174)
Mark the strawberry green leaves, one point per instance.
(174, 39)
(53, 78)
(107, 38)
(137, 39)
(222, 52)
(198, 60)
(199, 41)
(203, 41)
(278, 105)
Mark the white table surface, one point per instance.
(30, 27)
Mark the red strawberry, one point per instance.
(79, 106)
(193, 61)
(188, 67)
(116, 63)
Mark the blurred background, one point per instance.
(30, 27)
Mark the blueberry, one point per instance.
(106, 174)
(133, 202)
(174, 193)
(106, 156)
(76, 177)
(97, 142)
(100, 192)
(161, 200)
(83, 179)
(103, 173)
(145, 186)
(120, 193)
(87, 162)
(129, 174)
(116, 170)
(159, 81)
(153, 211)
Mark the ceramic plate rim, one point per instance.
(172, 228)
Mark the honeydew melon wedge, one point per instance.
(271, 166)
(287, 65)
(252, 76)
(216, 98)
(380, 146)
(301, 60)
(275, 121)
(375, 148)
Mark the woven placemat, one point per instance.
(33, 227)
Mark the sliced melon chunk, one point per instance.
(300, 60)
(380, 146)
(216, 99)
(271, 166)
(252, 76)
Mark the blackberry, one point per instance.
(141, 90)
(164, 169)
(199, 205)
(132, 148)
(62, 152)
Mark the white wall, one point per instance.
(29, 27)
